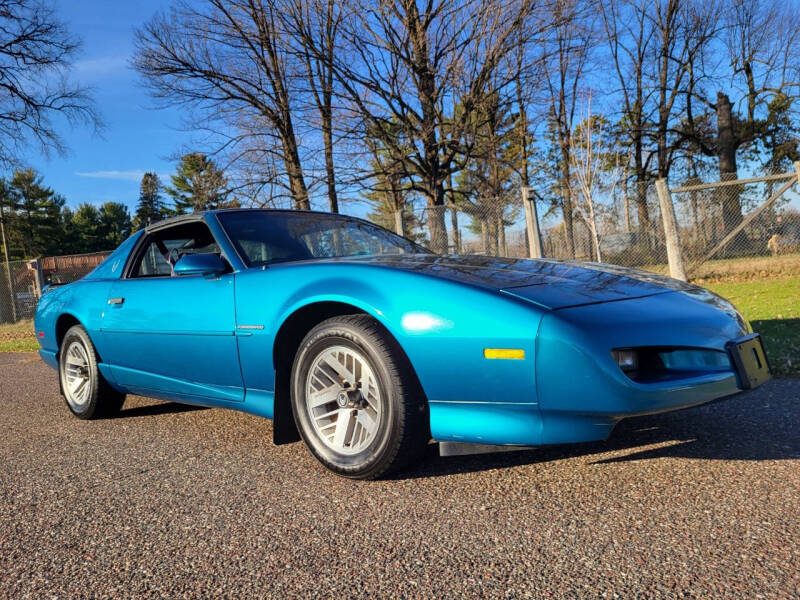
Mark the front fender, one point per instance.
(442, 326)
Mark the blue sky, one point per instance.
(137, 136)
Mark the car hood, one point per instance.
(549, 283)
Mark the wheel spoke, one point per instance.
(79, 355)
(367, 422)
(76, 385)
(343, 425)
(333, 362)
(82, 390)
(346, 428)
(322, 397)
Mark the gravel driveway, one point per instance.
(171, 501)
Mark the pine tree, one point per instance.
(87, 228)
(115, 224)
(199, 184)
(33, 214)
(150, 207)
(70, 241)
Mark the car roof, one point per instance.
(201, 215)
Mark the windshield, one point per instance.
(265, 237)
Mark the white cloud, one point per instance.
(101, 66)
(133, 175)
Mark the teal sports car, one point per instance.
(367, 346)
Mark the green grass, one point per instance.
(773, 308)
(735, 270)
(18, 337)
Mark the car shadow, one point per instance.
(161, 408)
(752, 426)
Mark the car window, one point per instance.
(164, 248)
(264, 237)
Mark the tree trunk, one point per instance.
(491, 226)
(698, 232)
(569, 232)
(706, 227)
(502, 249)
(522, 106)
(727, 145)
(643, 212)
(626, 206)
(436, 224)
(326, 112)
(330, 173)
(396, 203)
(294, 170)
(523, 147)
(427, 96)
(566, 205)
(456, 234)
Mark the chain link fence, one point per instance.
(498, 227)
(746, 220)
(21, 281)
(18, 291)
(750, 219)
(629, 233)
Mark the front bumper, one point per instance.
(528, 424)
(583, 393)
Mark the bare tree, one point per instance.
(629, 33)
(36, 53)
(589, 165)
(318, 21)
(761, 49)
(568, 54)
(682, 33)
(228, 59)
(404, 63)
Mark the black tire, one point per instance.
(100, 400)
(403, 429)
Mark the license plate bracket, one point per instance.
(750, 361)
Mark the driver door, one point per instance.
(173, 336)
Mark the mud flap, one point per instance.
(284, 430)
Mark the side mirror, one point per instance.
(200, 264)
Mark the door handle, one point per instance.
(116, 300)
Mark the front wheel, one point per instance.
(87, 393)
(355, 399)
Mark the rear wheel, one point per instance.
(355, 399)
(86, 392)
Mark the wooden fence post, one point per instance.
(38, 276)
(532, 225)
(674, 256)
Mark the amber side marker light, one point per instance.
(507, 353)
